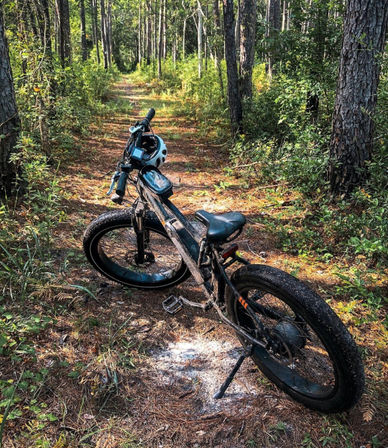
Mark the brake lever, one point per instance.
(114, 179)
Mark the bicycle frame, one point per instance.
(192, 247)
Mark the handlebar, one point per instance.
(147, 120)
(122, 177)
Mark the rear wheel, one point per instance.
(309, 353)
(110, 244)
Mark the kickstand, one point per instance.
(246, 354)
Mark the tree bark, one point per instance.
(160, 40)
(248, 11)
(273, 21)
(63, 19)
(148, 32)
(104, 35)
(199, 38)
(83, 30)
(184, 39)
(365, 29)
(237, 29)
(94, 16)
(9, 118)
(139, 25)
(234, 99)
(109, 33)
(164, 29)
(217, 45)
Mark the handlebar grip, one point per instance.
(150, 115)
(121, 184)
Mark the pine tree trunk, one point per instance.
(109, 33)
(83, 30)
(155, 33)
(164, 29)
(234, 99)
(237, 30)
(139, 24)
(64, 44)
(148, 33)
(248, 11)
(318, 38)
(273, 20)
(104, 35)
(184, 38)
(94, 17)
(160, 40)
(199, 38)
(365, 29)
(9, 118)
(217, 45)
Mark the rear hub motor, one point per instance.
(290, 336)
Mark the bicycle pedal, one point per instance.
(172, 304)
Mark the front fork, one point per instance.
(138, 226)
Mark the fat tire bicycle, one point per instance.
(291, 334)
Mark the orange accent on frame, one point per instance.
(243, 302)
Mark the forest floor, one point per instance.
(120, 372)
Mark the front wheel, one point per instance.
(110, 244)
(309, 353)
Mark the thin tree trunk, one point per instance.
(83, 30)
(139, 55)
(184, 39)
(248, 11)
(174, 49)
(144, 35)
(148, 33)
(155, 32)
(160, 42)
(273, 20)
(94, 16)
(64, 45)
(217, 45)
(9, 118)
(164, 29)
(237, 29)
(199, 38)
(318, 54)
(109, 33)
(234, 99)
(104, 40)
(365, 29)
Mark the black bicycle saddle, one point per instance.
(220, 227)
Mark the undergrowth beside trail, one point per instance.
(32, 280)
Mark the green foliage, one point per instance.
(201, 98)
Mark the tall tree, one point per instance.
(248, 12)
(365, 29)
(234, 99)
(63, 31)
(273, 21)
(9, 118)
(199, 37)
(106, 32)
(160, 39)
(217, 44)
(83, 30)
(94, 17)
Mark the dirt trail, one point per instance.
(146, 378)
